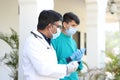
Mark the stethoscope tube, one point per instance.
(35, 35)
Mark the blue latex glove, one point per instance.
(78, 54)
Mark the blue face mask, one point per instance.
(71, 31)
(56, 34)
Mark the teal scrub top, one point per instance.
(65, 46)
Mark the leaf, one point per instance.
(11, 59)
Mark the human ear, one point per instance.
(65, 25)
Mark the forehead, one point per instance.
(72, 23)
(58, 22)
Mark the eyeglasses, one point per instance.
(58, 26)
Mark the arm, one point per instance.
(44, 62)
(75, 57)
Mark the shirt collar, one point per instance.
(47, 39)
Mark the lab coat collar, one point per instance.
(38, 33)
(41, 36)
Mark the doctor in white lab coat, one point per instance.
(39, 61)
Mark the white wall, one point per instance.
(8, 18)
(8, 15)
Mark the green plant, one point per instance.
(114, 65)
(11, 59)
(92, 74)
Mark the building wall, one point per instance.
(9, 17)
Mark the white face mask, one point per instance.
(56, 34)
(71, 31)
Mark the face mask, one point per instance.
(71, 31)
(56, 34)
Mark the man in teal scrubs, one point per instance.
(65, 45)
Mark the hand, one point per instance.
(78, 54)
(72, 66)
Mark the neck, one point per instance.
(44, 32)
(63, 31)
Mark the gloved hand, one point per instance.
(78, 54)
(72, 66)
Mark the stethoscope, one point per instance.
(37, 36)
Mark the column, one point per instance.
(95, 33)
(28, 18)
(27, 21)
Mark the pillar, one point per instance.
(95, 33)
(27, 20)
(28, 16)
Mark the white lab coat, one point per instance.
(39, 61)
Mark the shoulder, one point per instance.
(31, 40)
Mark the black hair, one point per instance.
(68, 17)
(46, 17)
